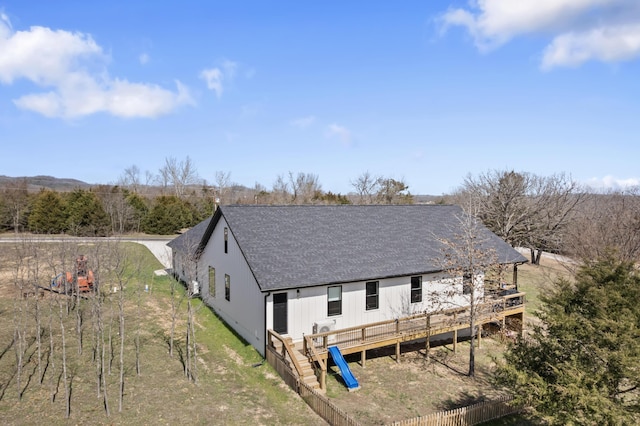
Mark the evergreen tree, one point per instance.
(582, 365)
(168, 215)
(86, 214)
(48, 213)
(139, 210)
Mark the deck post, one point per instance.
(363, 354)
(455, 332)
(427, 342)
(323, 379)
(398, 351)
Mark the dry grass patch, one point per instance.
(418, 385)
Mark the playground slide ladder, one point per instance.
(347, 375)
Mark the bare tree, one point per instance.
(524, 209)
(179, 175)
(67, 391)
(223, 187)
(19, 317)
(606, 222)
(130, 179)
(366, 187)
(190, 275)
(34, 280)
(466, 257)
(52, 368)
(281, 192)
(177, 297)
(304, 187)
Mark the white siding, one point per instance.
(245, 311)
(309, 306)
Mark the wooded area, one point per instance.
(173, 199)
(540, 213)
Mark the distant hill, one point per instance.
(36, 183)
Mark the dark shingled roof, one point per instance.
(304, 246)
(191, 240)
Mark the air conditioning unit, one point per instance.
(195, 288)
(324, 326)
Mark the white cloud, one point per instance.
(213, 77)
(606, 44)
(303, 122)
(611, 182)
(581, 30)
(144, 58)
(72, 67)
(341, 132)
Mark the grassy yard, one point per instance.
(535, 279)
(230, 388)
(233, 386)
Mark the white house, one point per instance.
(305, 269)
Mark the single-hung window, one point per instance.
(334, 300)
(227, 287)
(212, 281)
(416, 289)
(467, 283)
(226, 240)
(372, 295)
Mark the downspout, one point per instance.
(265, 323)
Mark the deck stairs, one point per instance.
(306, 373)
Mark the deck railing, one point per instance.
(423, 324)
(326, 409)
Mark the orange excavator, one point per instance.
(81, 280)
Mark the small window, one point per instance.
(334, 300)
(212, 281)
(372, 295)
(467, 283)
(226, 240)
(227, 287)
(416, 289)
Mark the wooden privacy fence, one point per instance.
(465, 416)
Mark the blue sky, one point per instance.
(422, 91)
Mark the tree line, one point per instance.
(173, 199)
(540, 213)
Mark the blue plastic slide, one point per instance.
(347, 375)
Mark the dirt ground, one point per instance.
(417, 385)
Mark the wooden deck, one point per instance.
(428, 326)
